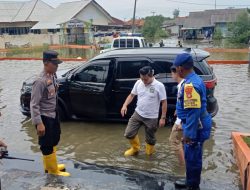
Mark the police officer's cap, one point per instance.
(184, 60)
(51, 56)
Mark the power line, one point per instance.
(206, 4)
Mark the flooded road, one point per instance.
(103, 143)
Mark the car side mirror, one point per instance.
(73, 77)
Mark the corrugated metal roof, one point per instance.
(63, 13)
(34, 11)
(8, 10)
(211, 17)
(220, 18)
(16, 11)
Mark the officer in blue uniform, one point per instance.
(196, 121)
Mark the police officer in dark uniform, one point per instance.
(44, 113)
(196, 121)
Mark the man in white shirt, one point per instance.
(151, 93)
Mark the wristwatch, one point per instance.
(163, 117)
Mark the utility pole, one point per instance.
(133, 26)
(215, 4)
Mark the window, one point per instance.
(197, 71)
(130, 43)
(116, 43)
(122, 43)
(93, 73)
(161, 67)
(130, 69)
(137, 43)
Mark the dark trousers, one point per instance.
(52, 135)
(193, 159)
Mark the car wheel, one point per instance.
(62, 114)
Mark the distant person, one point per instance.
(150, 94)
(44, 113)
(206, 34)
(179, 44)
(161, 43)
(176, 134)
(150, 45)
(191, 108)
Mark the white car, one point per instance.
(127, 42)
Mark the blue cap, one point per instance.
(184, 60)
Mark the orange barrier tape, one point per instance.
(72, 46)
(232, 62)
(225, 50)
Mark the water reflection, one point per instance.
(104, 144)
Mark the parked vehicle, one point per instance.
(97, 89)
(127, 42)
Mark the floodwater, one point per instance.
(104, 144)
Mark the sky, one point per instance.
(123, 9)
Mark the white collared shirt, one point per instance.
(178, 120)
(149, 98)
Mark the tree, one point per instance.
(240, 29)
(176, 13)
(217, 34)
(152, 28)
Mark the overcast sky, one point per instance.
(123, 9)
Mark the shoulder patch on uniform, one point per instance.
(192, 99)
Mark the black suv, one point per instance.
(97, 89)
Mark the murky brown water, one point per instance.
(103, 143)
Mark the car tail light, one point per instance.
(211, 83)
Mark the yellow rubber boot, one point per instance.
(61, 167)
(150, 149)
(51, 164)
(135, 147)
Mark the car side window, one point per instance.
(122, 43)
(162, 67)
(130, 69)
(96, 73)
(197, 71)
(136, 43)
(116, 43)
(130, 43)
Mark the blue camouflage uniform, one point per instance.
(196, 122)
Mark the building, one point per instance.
(139, 23)
(174, 26)
(19, 17)
(199, 24)
(76, 22)
(85, 11)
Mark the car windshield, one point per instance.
(71, 70)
